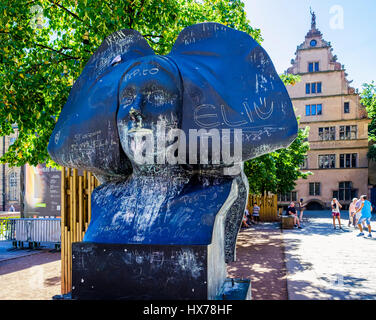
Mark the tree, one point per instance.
(368, 99)
(278, 171)
(45, 44)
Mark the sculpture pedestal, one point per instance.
(147, 272)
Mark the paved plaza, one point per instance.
(29, 274)
(315, 262)
(260, 257)
(323, 263)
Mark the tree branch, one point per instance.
(66, 10)
(41, 46)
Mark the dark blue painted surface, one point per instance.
(230, 83)
(214, 78)
(151, 211)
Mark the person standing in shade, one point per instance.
(256, 213)
(336, 206)
(365, 209)
(352, 211)
(291, 211)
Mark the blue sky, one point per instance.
(284, 24)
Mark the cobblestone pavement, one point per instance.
(260, 258)
(31, 277)
(323, 263)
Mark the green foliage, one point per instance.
(290, 79)
(278, 171)
(368, 99)
(45, 44)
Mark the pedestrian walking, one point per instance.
(352, 211)
(300, 208)
(365, 209)
(291, 211)
(358, 213)
(336, 206)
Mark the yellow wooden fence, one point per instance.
(75, 216)
(268, 206)
(76, 211)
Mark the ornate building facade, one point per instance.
(10, 186)
(338, 123)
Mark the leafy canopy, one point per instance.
(368, 99)
(44, 46)
(278, 171)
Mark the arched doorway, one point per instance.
(315, 205)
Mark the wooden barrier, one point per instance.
(75, 216)
(268, 206)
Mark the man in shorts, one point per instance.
(358, 213)
(291, 211)
(365, 209)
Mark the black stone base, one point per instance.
(146, 272)
(232, 289)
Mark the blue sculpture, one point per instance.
(167, 135)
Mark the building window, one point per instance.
(308, 88)
(346, 107)
(348, 160)
(308, 110)
(348, 132)
(313, 67)
(313, 109)
(319, 109)
(346, 191)
(288, 197)
(12, 196)
(11, 140)
(304, 165)
(327, 161)
(314, 87)
(314, 189)
(327, 133)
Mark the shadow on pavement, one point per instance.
(25, 262)
(260, 258)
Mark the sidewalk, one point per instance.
(33, 275)
(313, 263)
(323, 263)
(7, 253)
(260, 258)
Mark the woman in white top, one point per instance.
(336, 213)
(352, 211)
